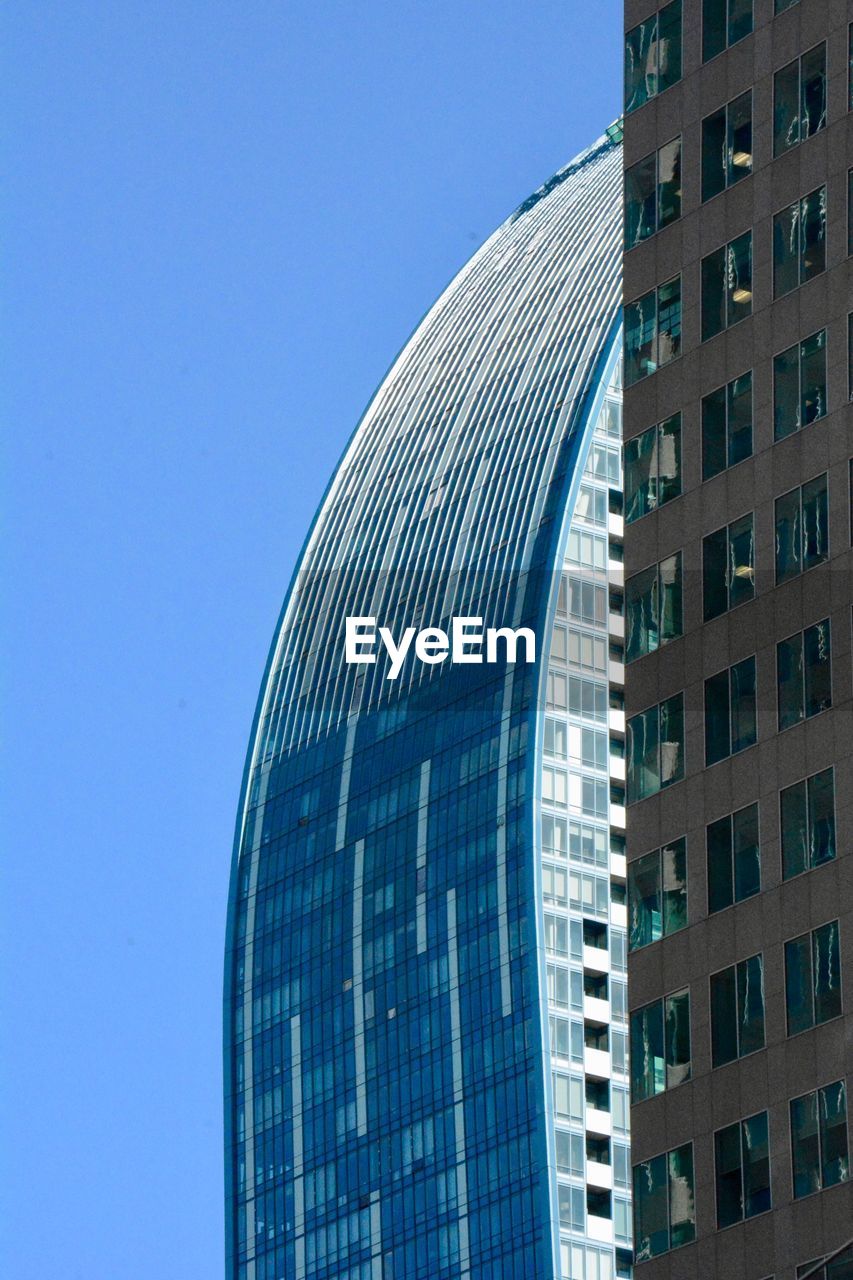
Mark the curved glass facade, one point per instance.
(394, 1102)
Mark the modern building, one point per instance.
(425, 997)
(738, 156)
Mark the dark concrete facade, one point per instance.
(793, 1231)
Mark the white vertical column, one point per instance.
(358, 989)
(503, 928)
(423, 817)
(298, 1168)
(458, 1084)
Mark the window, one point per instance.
(799, 242)
(660, 1046)
(813, 978)
(728, 567)
(571, 1204)
(799, 99)
(734, 863)
(742, 1162)
(653, 193)
(653, 607)
(730, 711)
(803, 674)
(726, 286)
(737, 1011)
(781, 5)
(652, 330)
(656, 748)
(724, 22)
(727, 146)
(587, 602)
(819, 1139)
(807, 815)
(849, 212)
(802, 529)
(727, 426)
(657, 894)
(653, 56)
(664, 1204)
(799, 385)
(653, 468)
(569, 1153)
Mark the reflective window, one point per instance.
(813, 978)
(728, 567)
(807, 816)
(737, 1011)
(802, 529)
(727, 146)
(653, 193)
(727, 426)
(652, 330)
(799, 99)
(726, 286)
(660, 1046)
(742, 1164)
(803, 674)
(653, 614)
(799, 242)
(571, 1205)
(724, 22)
(657, 894)
(569, 1153)
(799, 385)
(655, 748)
(730, 724)
(819, 1139)
(652, 468)
(734, 864)
(653, 56)
(664, 1203)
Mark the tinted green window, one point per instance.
(727, 426)
(799, 385)
(799, 242)
(813, 978)
(807, 813)
(664, 1205)
(730, 723)
(726, 286)
(660, 1046)
(742, 1164)
(653, 193)
(653, 613)
(781, 5)
(653, 56)
(724, 22)
(799, 99)
(802, 529)
(819, 1139)
(803, 672)
(652, 468)
(737, 1011)
(655, 748)
(727, 146)
(657, 894)
(728, 567)
(734, 866)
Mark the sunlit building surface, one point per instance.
(738, 358)
(425, 1006)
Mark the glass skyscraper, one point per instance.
(425, 1045)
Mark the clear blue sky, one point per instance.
(222, 221)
